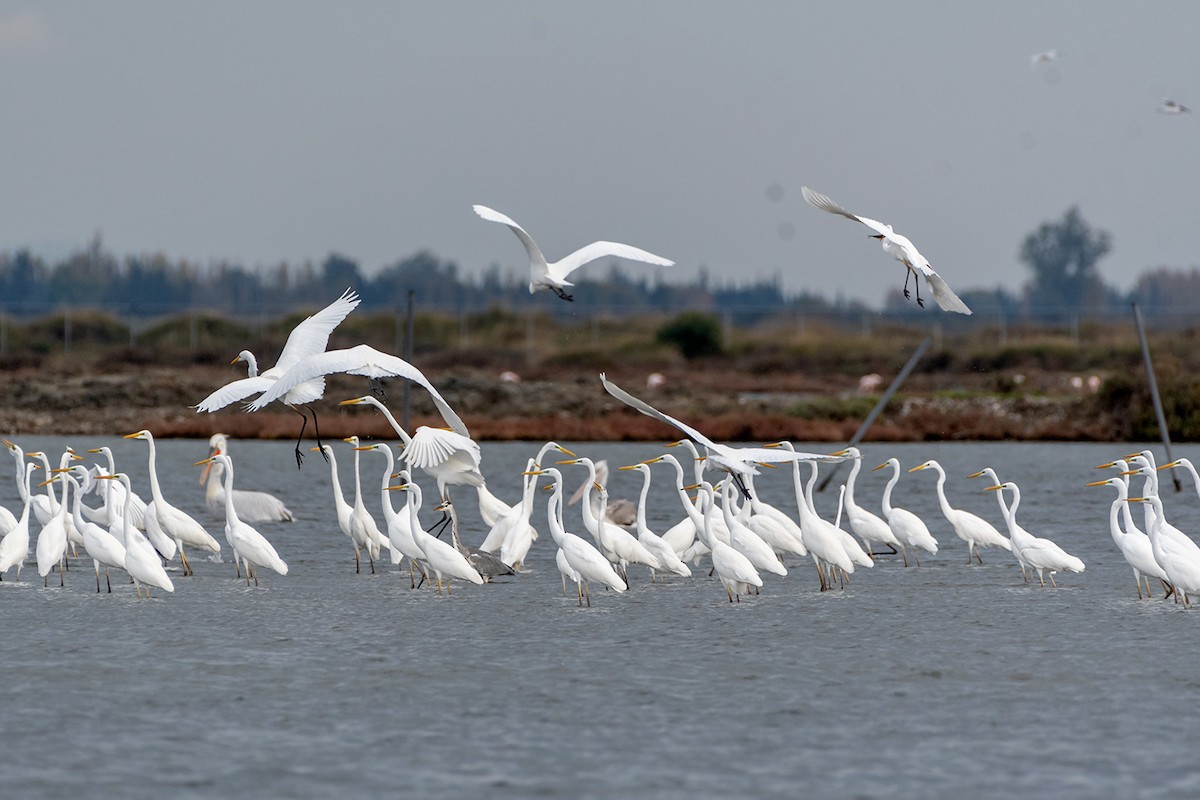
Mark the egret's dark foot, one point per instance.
(569, 298)
(906, 293)
(300, 458)
(377, 390)
(920, 302)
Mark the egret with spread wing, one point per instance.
(553, 275)
(901, 249)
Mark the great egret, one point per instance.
(52, 541)
(14, 547)
(822, 539)
(176, 524)
(621, 511)
(116, 493)
(867, 525)
(307, 339)
(973, 529)
(1042, 58)
(682, 534)
(399, 532)
(667, 558)
(251, 506)
(617, 544)
(141, 560)
(737, 461)
(248, 544)
(736, 572)
(1134, 545)
(853, 549)
(1179, 558)
(100, 544)
(1169, 106)
(341, 509)
(772, 525)
(1036, 551)
(40, 503)
(553, 275)
(907, 526)
(363, 529)
(746, 541)
(901, 249)
(586, 563)
(441, 557)
(449, 457)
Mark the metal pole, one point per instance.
(1153, 384)
(408, 355)
(883, 401)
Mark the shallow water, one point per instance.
(934, 681)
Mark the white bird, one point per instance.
(40, 503)
(901, 249)
(737, 461)
(746, 541)
(115, 492)
(1039, 553)
(682, 534)
(584, 561)
(1170, 106)
(449, 457)
(973, 529)
(821, 538)
(307, 339)
(52, 541)
(176, 524)
(621, 511)
(248, 544)
(553, 276)
(441, 557)
(907, 526)
(363, 529)
(1042, 58)
(617, 544)
(14, 547)
(772, 525)
(141, 560)
(341, 509)
(667, 558)
(1134, 545)
(867, 525)
(1179, 558)
(100, 544)
(853, 549)
(736, 572)
(399, 532)
(252, 507)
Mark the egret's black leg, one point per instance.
(303, 427)
(917, 285)
(377, 389)
(317, 430)
(907, 278)
(737, 481)
(559, 291)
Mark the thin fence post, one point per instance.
(1152, 382)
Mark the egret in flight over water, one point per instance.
(901, 249)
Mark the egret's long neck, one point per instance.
(339, 499)
(848, 497)
(589, 516)
(554, 515)
(231, 517)
(22, 482)
(887, 492)
(641, 512)
(1114, 526)
(76, 504)
(414, 505)
(26, 497)
(403, 434)
(808, 487)
(358, 501)
(251, 364)
(386, 496)
(154, 489)
(947, 511)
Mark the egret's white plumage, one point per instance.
(1037, 552)
(363, 528)
(99, 543)
(1135, 546)
(52, 541)
(553, 275)
(668, 559)
(441, 557)
(141, 560)
(868, 526)
(1179, 557)
(901, 249)
(617, 544)
(973, 529)
(736, 572)
(14, 546)
(247, 543)
(252, 507)
(909, 529)
(585, 562)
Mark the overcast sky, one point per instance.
(269, 131)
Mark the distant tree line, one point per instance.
(1061, 256)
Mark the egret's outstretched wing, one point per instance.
(361, 360)
(491, 215)
(432, 447)
(943, 295)
(233, 392)
(565, 266)
(822, 202)
(650, 411)
(312, 335)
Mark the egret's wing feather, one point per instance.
(312, 335)
(822, 202)
(945, 297)
(233, 392)
(432, 447)
(565, 266)
(650, 411)
(491, 215)
(771, 455)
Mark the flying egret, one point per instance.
(585, 562)
(441, 557)
(907, 526)
(1042, 58)
(553, 276)
(307, 339)
(1170, 106)
(737, 461)
(141, 559)
(176, 524)
(901, 249)
(247, 544)
(252, 507)
(1036, 551)
(449, 457)
(976, 531)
